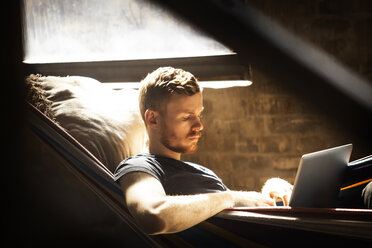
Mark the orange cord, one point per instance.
(356, 184)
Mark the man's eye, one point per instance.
(186, 118)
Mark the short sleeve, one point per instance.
(138, 164)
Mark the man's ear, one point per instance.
(152, 118)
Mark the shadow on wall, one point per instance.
(257, 132)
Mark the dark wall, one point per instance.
(261, 131)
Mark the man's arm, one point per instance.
(158, 213)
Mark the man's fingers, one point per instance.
(274, 194)
(286, 200)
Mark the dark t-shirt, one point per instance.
(177, 177)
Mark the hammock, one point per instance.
(239, 227)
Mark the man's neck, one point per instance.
(160, 149)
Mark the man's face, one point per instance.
(180, 123)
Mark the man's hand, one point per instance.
(251, 199)
(276, 187)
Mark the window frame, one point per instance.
(207, 68)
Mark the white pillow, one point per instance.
(107, 122)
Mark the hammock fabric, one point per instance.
(239, 227)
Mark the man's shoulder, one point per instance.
(141, 157)
(143, 162)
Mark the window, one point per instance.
(96, 30)
(118, 40)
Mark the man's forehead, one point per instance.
(184, 103)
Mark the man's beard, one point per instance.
(167, 140)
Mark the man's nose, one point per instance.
(198, 124)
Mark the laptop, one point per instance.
(319, 177)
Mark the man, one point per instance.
(162, 193)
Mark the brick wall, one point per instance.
(257, 132)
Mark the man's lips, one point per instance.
(194, 136)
